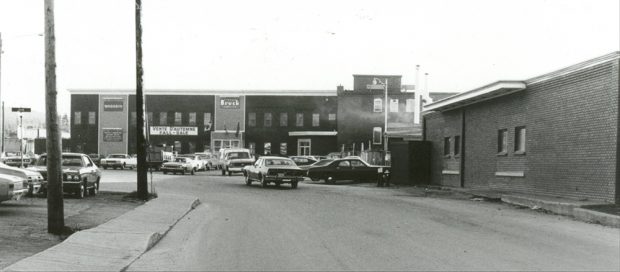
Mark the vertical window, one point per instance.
(283, 119)
(378, 105)
(217, 144)
(252, 119)
(163, 118)
(315, 119)
(393, 105)
(252, 148)
(283, 148)
(304, 147)
(133, 118)
(502, 141)
(457, 145)
(192, 118)
(299, 121)
(91, 118)
(267, 120)
(520, 140)
(207, 119)
(149, 118)
(409, 105)
(446, 146)
(331, 117)
(77, 118)
(376, 135)
(267, 150)
(178, 118)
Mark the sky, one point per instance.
(297, 45)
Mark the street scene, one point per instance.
(344, 135)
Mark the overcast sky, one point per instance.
(312, 45)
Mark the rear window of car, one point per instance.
(65, 161)
(278, 162)
(238, 155)
(116, 156)
(180, 159)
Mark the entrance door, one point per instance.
(304, 147)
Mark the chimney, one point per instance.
(417, 77)
(426, 83)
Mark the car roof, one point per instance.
(273, 157)
(67, 153)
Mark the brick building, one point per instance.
(555, 134)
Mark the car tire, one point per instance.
(165, 172)
(183, 172)
(122, 167)
(192, 172)
(223, 172)
(105, 168)
(229, 173)
(294, 184)
(278, 184)
(80, 193)
(248, 181)
(95, 190)
(263, 182)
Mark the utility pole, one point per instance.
(142, 190)
(55, 205)
(1, 92)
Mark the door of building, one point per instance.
(304, 147)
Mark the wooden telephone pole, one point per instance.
(55, 205)
(142, 190)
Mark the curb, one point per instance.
(597, 217)
(114, 245)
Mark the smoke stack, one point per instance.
(417, 77)
(426, 83)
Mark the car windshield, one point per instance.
(322, 162)
(116, 156)
(180, 160)
(278, 162)
(238, 155)
(65, 161)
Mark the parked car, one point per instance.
(96, 158)
(16, 159)
(277, 170)
(303, 160)
(235, 160)
(34, 178)
(334, 155)
(349, 168)
(12, 187)
(316, 164)
(210, 160)
(121, 161)
(179, 165)
(197, 163)
(80, 175)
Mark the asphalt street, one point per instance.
(345, 227)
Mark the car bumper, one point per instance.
(172, 169)
(283, 179)
(112, 164)
(67, 186)
(235, 169)
(17, 194)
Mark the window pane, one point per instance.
(315, 119)
(268, 119)
(409, 105)
(376, 135)
(446, 146)
(92, 118)
(283, 148)
(520, 139)
(149, 118)
(252, 148)
(502, 141)
(283, 119)
(77, 119)
(192, 118)
(133, 118)
(457, 145)
(267, 148)
(207, 119)
(393, 105)
(300, 120)
(163, 118)
(378, 105)
(178, 118)
(332, 117)
(252, 119)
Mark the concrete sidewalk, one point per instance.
(114, 245)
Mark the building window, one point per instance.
(446, 146)
(92, 118)
(77, 118)
(267, 147)
(457, 145)
(252, 148)
(163, 118)
(304, 147)
(251, 119)
(502, 141)
(331, 117)
(149, 118)
(134, 118)
(207, 119)
(315, 119)
(299, 120)
(267, 119)
(217, 145)
(283, 148)
(393, 105)
(520, 140)
(378, 105)
(376, 135)
(192, 118)
(283, 119)
(178, 118)
(409, 105)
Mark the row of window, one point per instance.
(452, 145)
(378, 105)
(299, 119)
(163, 118)
(77, 118)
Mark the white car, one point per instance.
(197, 163)
(120, 161)
(12, 187)
(34, 178)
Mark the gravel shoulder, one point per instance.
(23, 223)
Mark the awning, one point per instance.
(487, 92)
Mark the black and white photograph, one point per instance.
(275, 135)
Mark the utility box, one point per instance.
(411, 162)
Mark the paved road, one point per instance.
(343, 227)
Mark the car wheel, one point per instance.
(248, 181)
(183, 172)
(95, 190)
(278, 184)
(122, 167)
(165, 172)
(192, 172)
(81, 192)
(263, 182)
(105, 168)
(294, 184)
(223, 172)
(229, 173)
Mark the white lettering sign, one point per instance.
(188, 131)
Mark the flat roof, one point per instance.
(220, 92)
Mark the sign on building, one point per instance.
(112, 134)
(229, 102)
(113, 104)
(182, 131)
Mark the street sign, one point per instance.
(20, 109)
(375, 87)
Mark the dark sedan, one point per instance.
(80, 175)
(271, 169)
(350, 168)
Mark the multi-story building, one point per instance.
(554, 134)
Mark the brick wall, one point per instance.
(572, 135)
